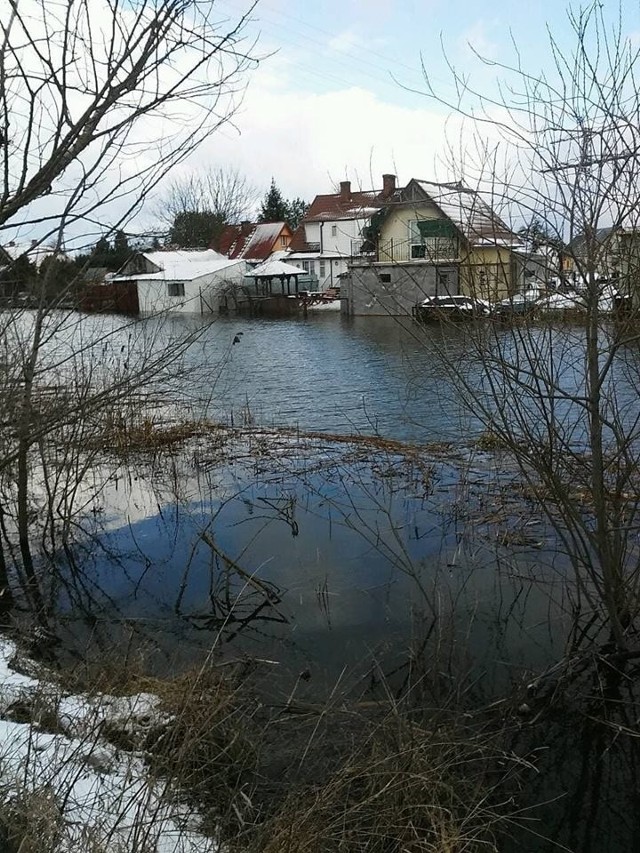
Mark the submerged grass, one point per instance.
(401, 786)
(348, 776)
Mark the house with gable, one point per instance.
(185, 281)
(253, 243)
(432, 239)
(332, 232)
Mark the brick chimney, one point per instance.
(388, 185)
(345, 190)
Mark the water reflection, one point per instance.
(320, 557)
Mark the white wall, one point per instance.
(200, 294)
(332, 269)
(337, 235)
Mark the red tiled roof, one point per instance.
(227, 239)
(252, 242)
(330, 207)
(263, 240)
(299, 240)
(344, 206)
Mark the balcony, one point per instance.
(431, 250)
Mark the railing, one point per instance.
(432, 250)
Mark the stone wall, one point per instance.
(392, 290)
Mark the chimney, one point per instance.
(246, 227)
(345, 190)
(388, 185)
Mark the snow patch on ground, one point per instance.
(98, 797)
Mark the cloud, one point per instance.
(476, 39)
(346, 42)
(308, 141)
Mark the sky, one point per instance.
(340, 93)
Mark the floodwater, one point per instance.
(336, 560)
(360, 376)
(365, 558)
(352, 569)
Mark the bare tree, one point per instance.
(224, 192)
(563, 146)
(97, 103)
(197, 207)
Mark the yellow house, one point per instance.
(432, 239)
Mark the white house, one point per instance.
(188, 280)
(334, 230)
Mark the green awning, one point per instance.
(436, 228)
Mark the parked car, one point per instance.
(449, 308)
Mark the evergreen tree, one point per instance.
(104, 254)
(18, 276)
(274, 208)
(297, 211)
(538, 234)
(121, 251)
(101, 255)
(57, 277)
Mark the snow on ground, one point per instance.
(332, 305)
(98, 797)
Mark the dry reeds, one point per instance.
(403, 788)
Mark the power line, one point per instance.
(352, 64)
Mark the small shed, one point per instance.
(282, 272)
(184, 280)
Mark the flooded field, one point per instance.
(337, 558)
(331, 514)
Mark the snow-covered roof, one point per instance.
(252, 242)
(180, 265)
(262, 239)
(280, 255)
(182, 258)
(359, 204)
(274, 268)
(470, 213)
(305, 256)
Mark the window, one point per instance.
(385, 277)
(323, 270)
(432, 239)
(334, 230)
(305, 266)
(446, 281)
(283, 241)
(175, 288)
